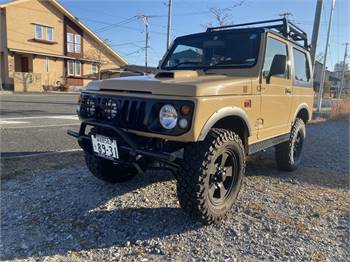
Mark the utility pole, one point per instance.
(323, 75)
(316, 30)
(285, 15)
(145, 21)
(343, 73)
(168, 39)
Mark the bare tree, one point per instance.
(223, 16)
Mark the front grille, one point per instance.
(128, 113)
(133, 113)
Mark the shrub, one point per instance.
(341, 109)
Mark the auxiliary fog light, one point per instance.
(183, 123)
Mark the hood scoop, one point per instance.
(180, 74)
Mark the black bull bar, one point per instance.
(131, 147)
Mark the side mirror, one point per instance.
(278, 66)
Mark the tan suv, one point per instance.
(219, 96)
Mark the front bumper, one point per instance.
(132, 151)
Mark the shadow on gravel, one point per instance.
(58, 212)
(16, 154)
(263, 164)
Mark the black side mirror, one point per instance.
(278, 66)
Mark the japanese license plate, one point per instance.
(105, 147)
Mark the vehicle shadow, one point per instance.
(82, 213)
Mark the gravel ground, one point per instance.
(62, 213)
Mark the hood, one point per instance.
(179, 83)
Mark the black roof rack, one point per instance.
(282, 26)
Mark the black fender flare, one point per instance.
(222, 113)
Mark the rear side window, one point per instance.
(274, 47)
(301, 66)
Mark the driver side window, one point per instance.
(273, 48)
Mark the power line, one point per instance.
(120, 23)
(127, 43)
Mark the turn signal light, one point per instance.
(185, 109)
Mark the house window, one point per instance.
(94, 68)
(49, 33)
(38, 32)
(77, 68)
(46, 64)
(70, 67)
(77, 43)
(70, 42)
(73, 43)
(73, 68)
(43, 32)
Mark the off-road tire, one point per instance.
(105, 170)
(284, 153)
(193, 178)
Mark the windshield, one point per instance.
(214, 50)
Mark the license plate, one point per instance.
(105, 147)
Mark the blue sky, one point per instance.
(115, 20)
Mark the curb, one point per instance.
(40, 93)
(42, 154)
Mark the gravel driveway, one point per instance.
(60, 212)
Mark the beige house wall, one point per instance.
(95, 51)
(87, 69)
(21, 19)
(27, 82)
(55, 72)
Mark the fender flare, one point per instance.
(222, 113)
(300, 107)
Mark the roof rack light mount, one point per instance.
(282, 26)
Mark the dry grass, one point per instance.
(341, 109)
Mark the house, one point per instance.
(42, 45)
(318, 74)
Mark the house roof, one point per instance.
(68, 14)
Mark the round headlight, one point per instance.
(168, 116)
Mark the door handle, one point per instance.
(288, 90)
